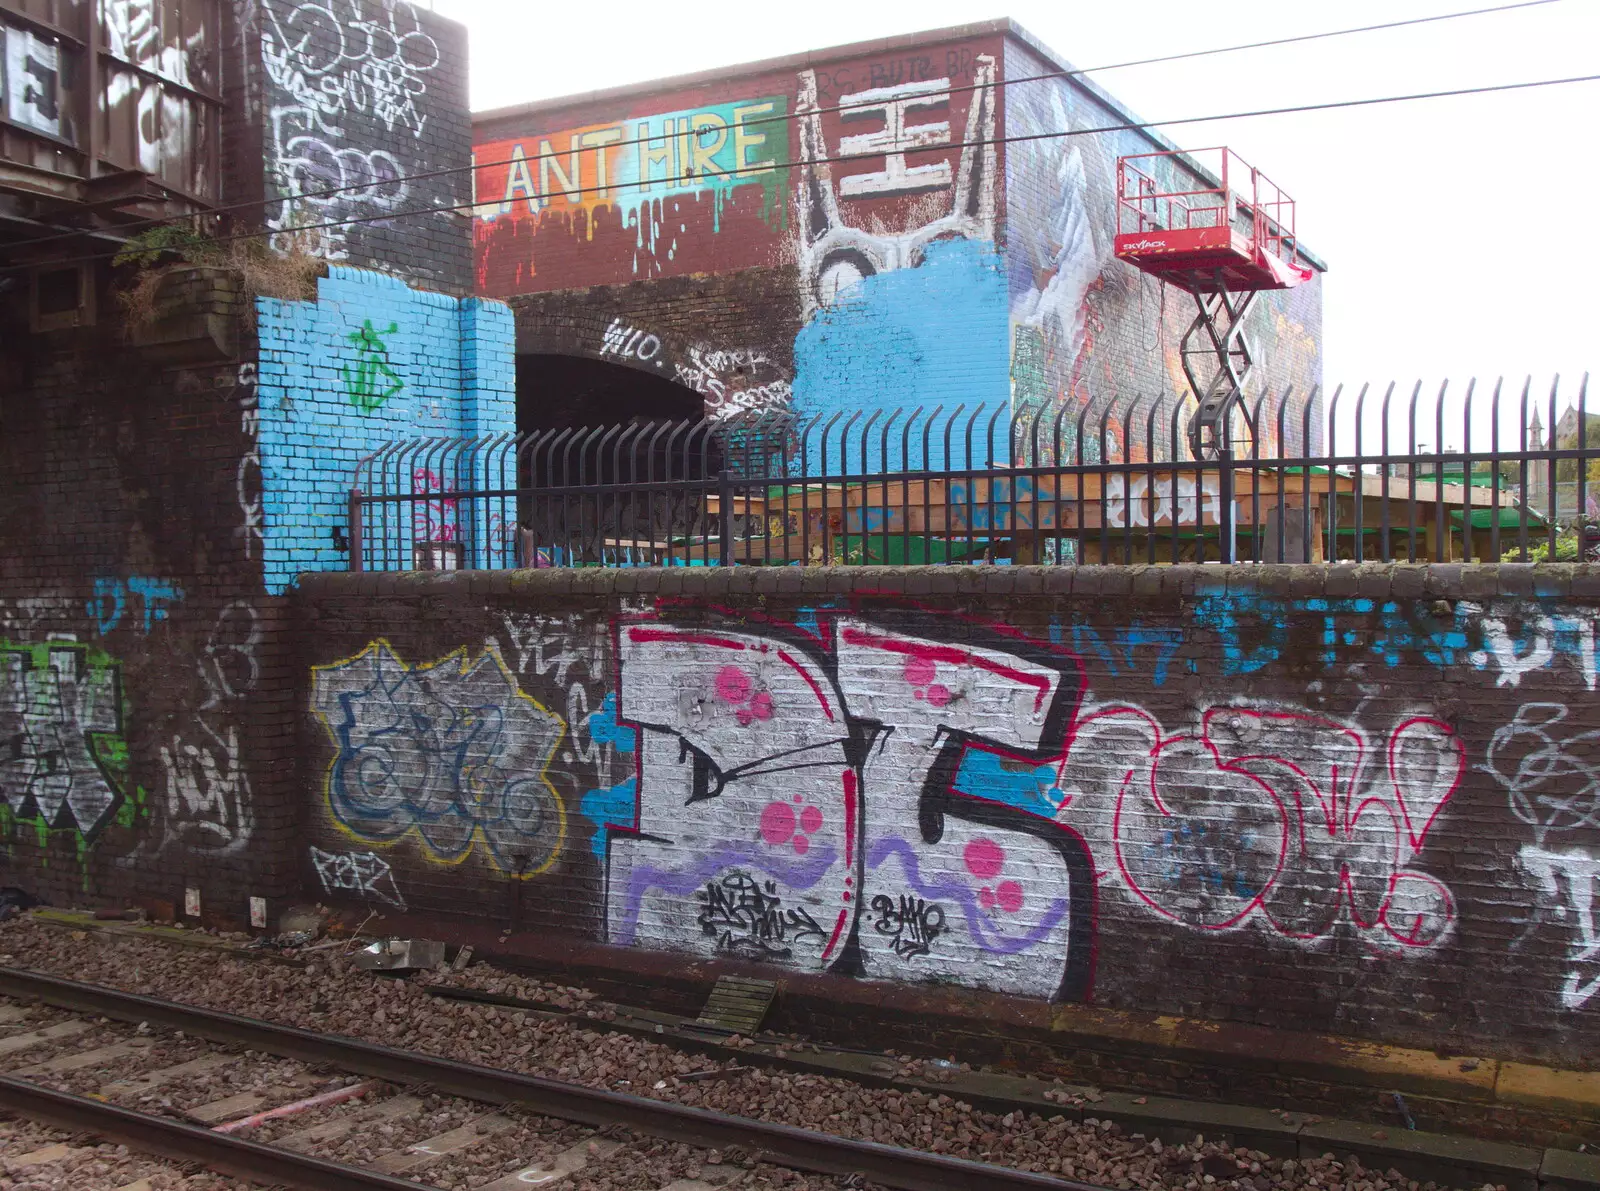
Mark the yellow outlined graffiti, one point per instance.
(452, 754)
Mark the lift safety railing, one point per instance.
(1150, 198)
(1483, 472)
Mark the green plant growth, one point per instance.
(1539, 548)
(152, 246)
(262, 271)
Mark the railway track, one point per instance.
(282, 1106)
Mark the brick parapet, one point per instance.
(1346, 799)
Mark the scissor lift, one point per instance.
(1222, 244)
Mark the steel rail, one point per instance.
(165, 1138)
(784, 1145)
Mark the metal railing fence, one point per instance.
(1359, 475)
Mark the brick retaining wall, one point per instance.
(1351, 800)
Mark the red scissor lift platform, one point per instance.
(1237, 235)
(1222, 243)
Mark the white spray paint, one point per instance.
(1566, 882)
(365, 874)
(208, 796)
(49, 718)
(779, 821)
(630, 343)
(1548, 639)
(331, 65)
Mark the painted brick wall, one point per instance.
(146, 721)
(143, 713)
(359, 96)
(1355, 800)
(972, 272)
(370, 361)
(1083, 325)
(155, 514)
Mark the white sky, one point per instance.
(1460, 233)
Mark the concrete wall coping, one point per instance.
(1375, 581)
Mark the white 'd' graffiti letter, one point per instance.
(1576, 870)
(735, 730)
(778, 821)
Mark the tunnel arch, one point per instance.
(609, 497)
(558, 390)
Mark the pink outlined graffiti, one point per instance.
(803, 796)
(1269, 813)
(433, 520)
(777, 818)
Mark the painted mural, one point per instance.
(950, 247)
(653, 175)
(644, 190)
(1085, 329)
(908, 316)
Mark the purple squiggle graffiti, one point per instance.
(963, 894)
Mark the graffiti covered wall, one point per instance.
(164, 476)
(892, 230)
(134, 633)
(1327, 809)
(357, 98)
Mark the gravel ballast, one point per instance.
(329, 994)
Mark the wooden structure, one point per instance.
(1157, 512)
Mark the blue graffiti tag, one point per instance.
(452, 753)
(111, 597)
(613, 805)
(1265, 621)
(1116, 647)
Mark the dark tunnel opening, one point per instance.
(614, 469)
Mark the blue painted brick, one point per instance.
(453, 357)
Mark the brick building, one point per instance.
(892, 224)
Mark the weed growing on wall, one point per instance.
(289, 273)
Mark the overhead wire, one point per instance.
(425, 175)
(1017, 138)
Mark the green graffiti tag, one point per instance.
(64, 765)
(371, 381)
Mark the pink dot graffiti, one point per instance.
(734, 686)
(777, 823)
(920, 672)
(986, 860)
(780, 825)
(1006, 896)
